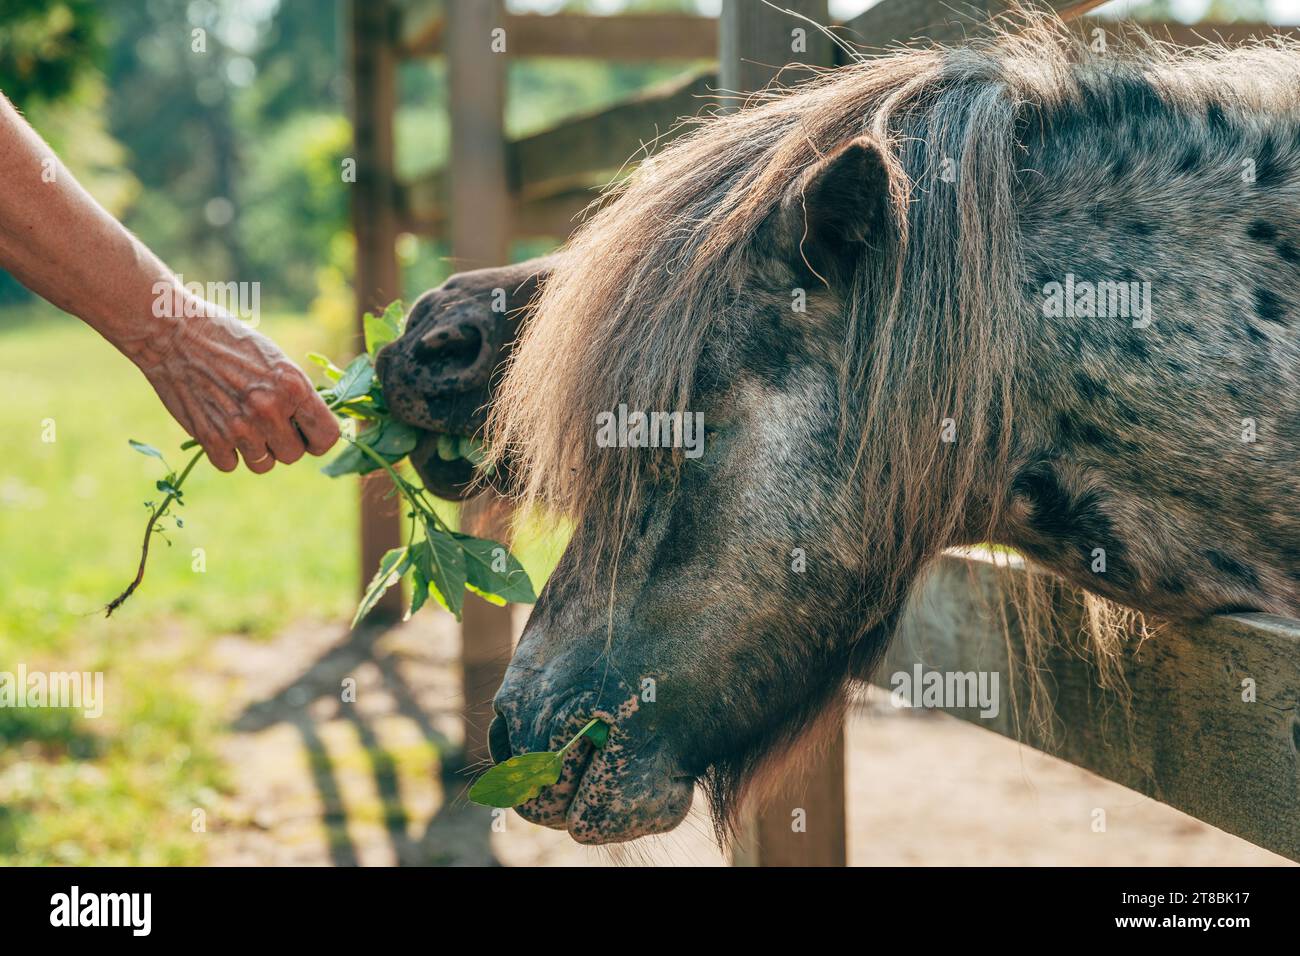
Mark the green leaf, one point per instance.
(350, 461)
(395, 313)
(394, 440)
(522, 777)
(483, 558)
(380, 330)
(165, 485)
(363, 408)
(447, 448)
(353, 383)
(392, 566)
(332, 371)
(144, 449)
(443, 564)
(517, 780)
(472, 449)
(488, 596)
(419, 588)
(376, 396)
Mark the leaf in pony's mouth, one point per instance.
(521, 778)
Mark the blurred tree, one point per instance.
(1221, 11)
(299, 62)
(229, 110)
(295, 201)
(45, 46)
(174, 67)
(48, 49)
(1256, 11)
(296, 115)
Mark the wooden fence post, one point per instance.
(804, 823)
(480, 236)
(374, 223)
(755, 41)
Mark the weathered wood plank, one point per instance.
(571, 153)
(583, 151)
(1182, 34)
(1193, 742)
(628, 36)
(553, 217)
(1196, 34)
(486, 642)
(480, 236)
(897, 21)
(476, 81)
(579, 152)
(757, 41)
(419, 27)
(804, 823)
(374, 223)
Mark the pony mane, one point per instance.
(934, 312)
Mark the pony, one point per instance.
(1013, 293)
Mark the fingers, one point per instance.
(257, 456)
(221, 453)
(285, 442)
(254, 404)
(316, 423)
(196, 418)
(258, 434)
(292, 419)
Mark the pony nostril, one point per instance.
(499, 740)
(456, 348)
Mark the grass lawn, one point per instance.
(275, 548)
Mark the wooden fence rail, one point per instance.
(632, 37)
(571, 157)
(555, 173)
(628, 36)
(1214, 725)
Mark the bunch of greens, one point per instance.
(440, 561)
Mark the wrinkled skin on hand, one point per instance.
(234, 390)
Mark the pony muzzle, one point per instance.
(630, 788)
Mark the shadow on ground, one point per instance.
(363, 684)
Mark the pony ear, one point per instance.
(835, 208)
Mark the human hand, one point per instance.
(233, 389)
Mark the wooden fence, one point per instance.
(1213, 723)
(1195, 742)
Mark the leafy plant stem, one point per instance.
(158, 512)
(578, 736)
(411, 493)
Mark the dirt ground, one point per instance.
(320, 781)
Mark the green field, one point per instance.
(276, 548)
